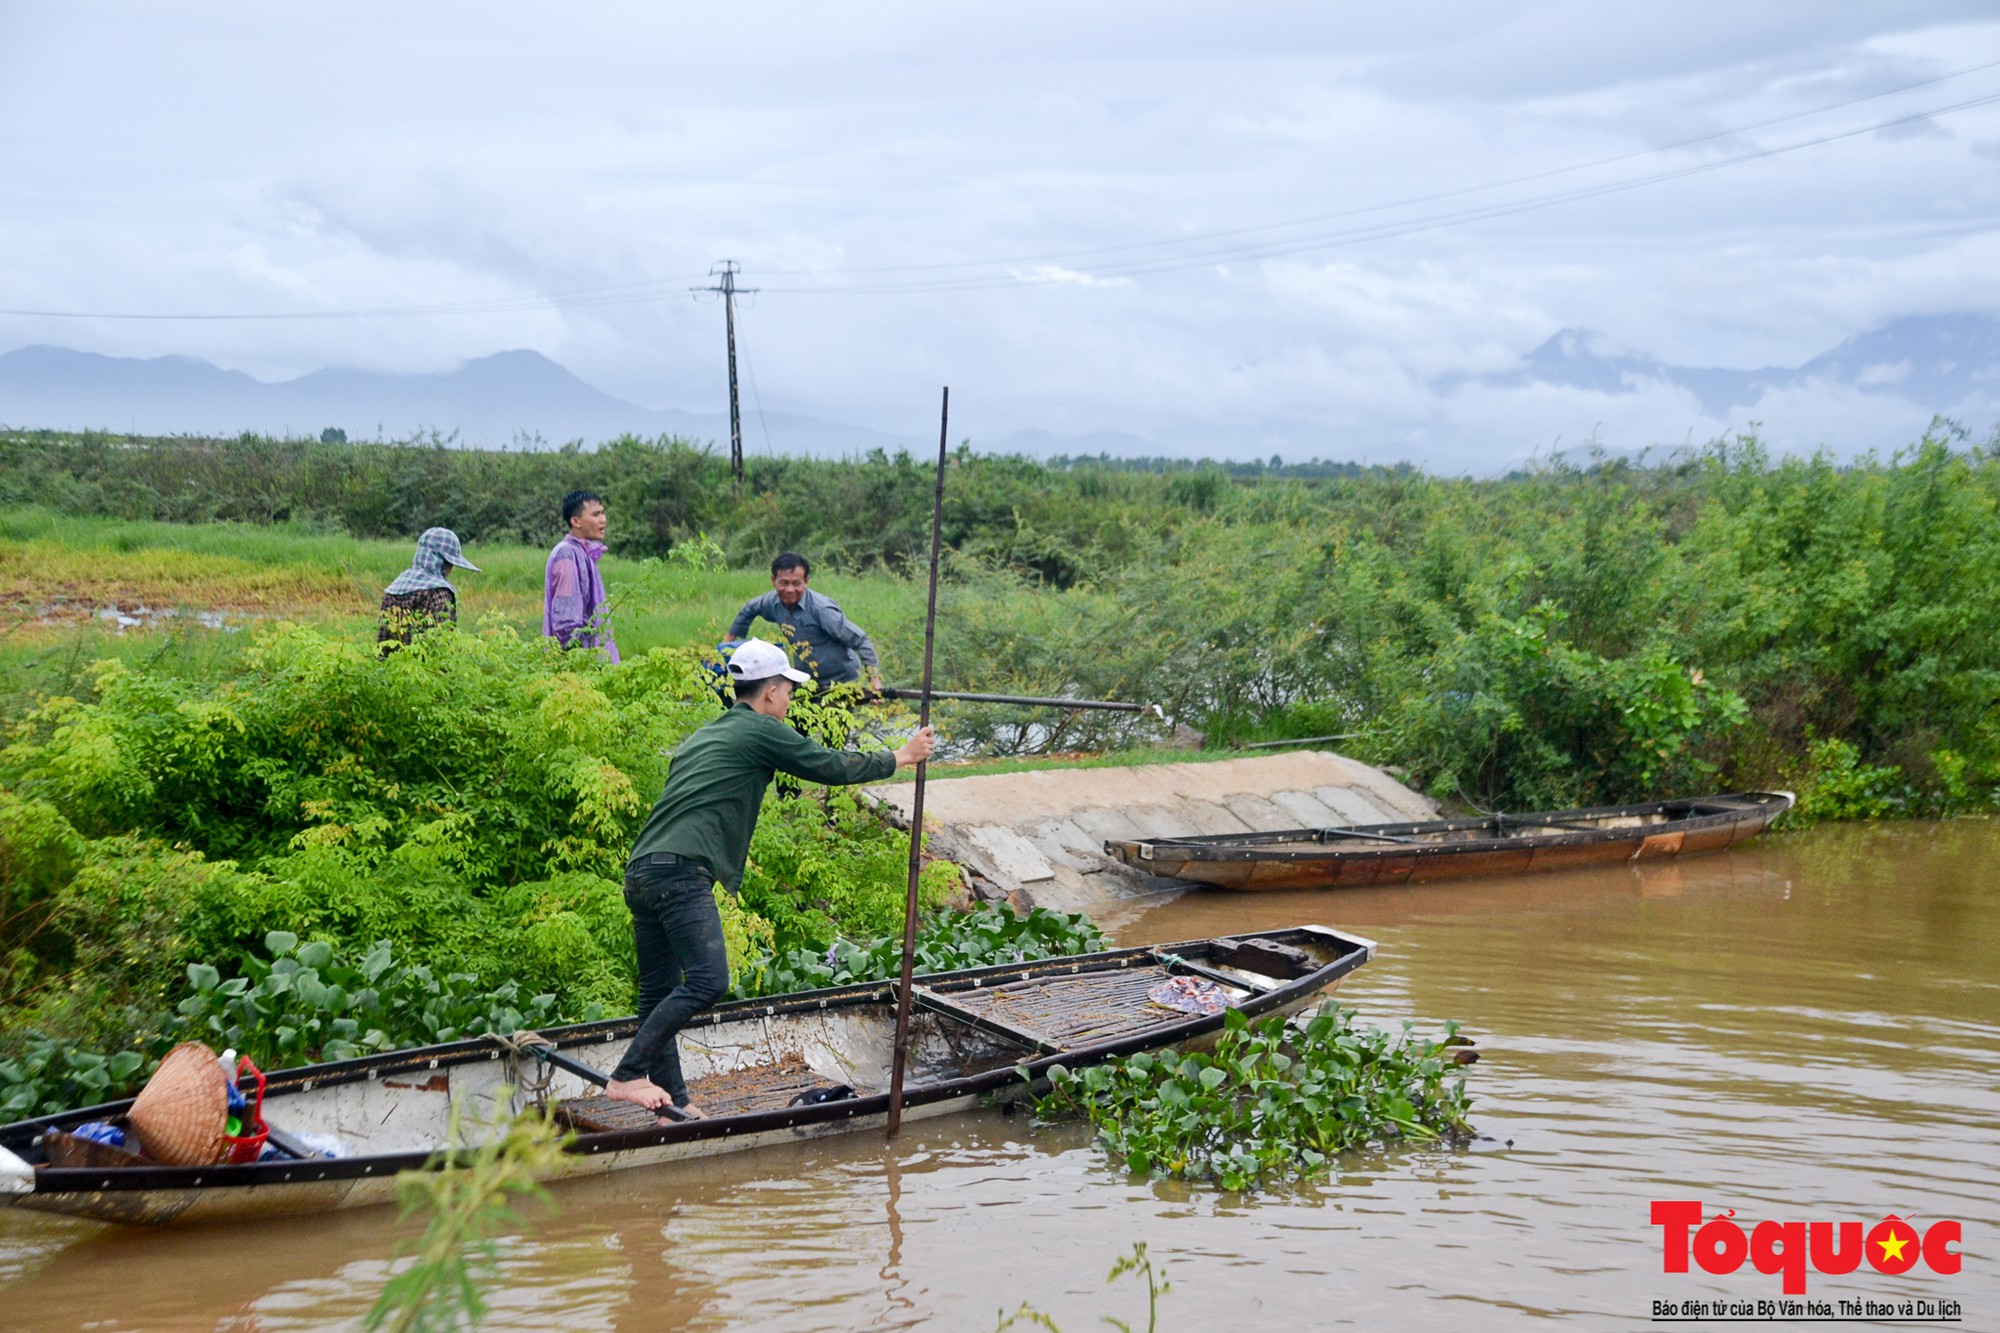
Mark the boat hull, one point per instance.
(979, 1035)
(231, 1201)
(1443, 850)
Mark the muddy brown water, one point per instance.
(1806, 1028)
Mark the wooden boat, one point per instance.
(1498, 844)
(764, 1071)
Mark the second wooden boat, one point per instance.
(1441, 849)
(773, 1070)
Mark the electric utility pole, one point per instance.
(727, 271)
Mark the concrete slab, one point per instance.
(1071, 838)
(1351, 806)
(1039, 836)
(1253, 811)
(1160, 821)
(1068, 847)
(1104, 825)
(1012, 858)
(1302, 811)
(1215, 817)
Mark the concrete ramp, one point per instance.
(1037, 838)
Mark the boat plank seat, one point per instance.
(1071, 1012)
(768, 1087)
(1267, 957)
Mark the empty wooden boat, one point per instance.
(764, 1071)
(1489, 845)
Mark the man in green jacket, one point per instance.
(699, 834)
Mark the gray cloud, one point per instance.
(249, 158)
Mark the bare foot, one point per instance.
(690, 1111)
(639, 1091)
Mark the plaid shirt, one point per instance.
(408, 614)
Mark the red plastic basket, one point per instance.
(250, 1146)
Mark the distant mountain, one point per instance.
(504, 399)
(1940, 363)
(1937, 360)
(1877, 389)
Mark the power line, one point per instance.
(1383, 231)
(615, 294)
(1504, 183)
(653, 290)
(757, 401)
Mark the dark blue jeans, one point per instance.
(683, 967)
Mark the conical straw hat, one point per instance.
(182, 1111)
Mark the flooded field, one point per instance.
(1806, 1028)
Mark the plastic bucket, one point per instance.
(248, 1147)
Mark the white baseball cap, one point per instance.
(755, 659)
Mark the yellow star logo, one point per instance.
(1892, 1248)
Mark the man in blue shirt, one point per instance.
(823, 640)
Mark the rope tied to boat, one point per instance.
(532, 1047)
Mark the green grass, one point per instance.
(1134, 758)
(79, 565)
(299, 573)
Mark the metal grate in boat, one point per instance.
(768, 1087)
(1076, 1011)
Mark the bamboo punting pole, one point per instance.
(1029, 700)
(903, 990)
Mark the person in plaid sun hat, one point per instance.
(421, 597)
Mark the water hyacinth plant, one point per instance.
(308, 1005)
(980, 938)
(55, 1073)
(1274, 1102)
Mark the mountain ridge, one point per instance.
(1938, 361)
(1912, 367)
(511, 398)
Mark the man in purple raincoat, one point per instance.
(573, 604)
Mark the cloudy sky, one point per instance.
(1308, 228)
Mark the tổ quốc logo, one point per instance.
(1790, 1251)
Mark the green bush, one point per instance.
(947, 943)
(822, 865)
(1835, 784)
(94, 932)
